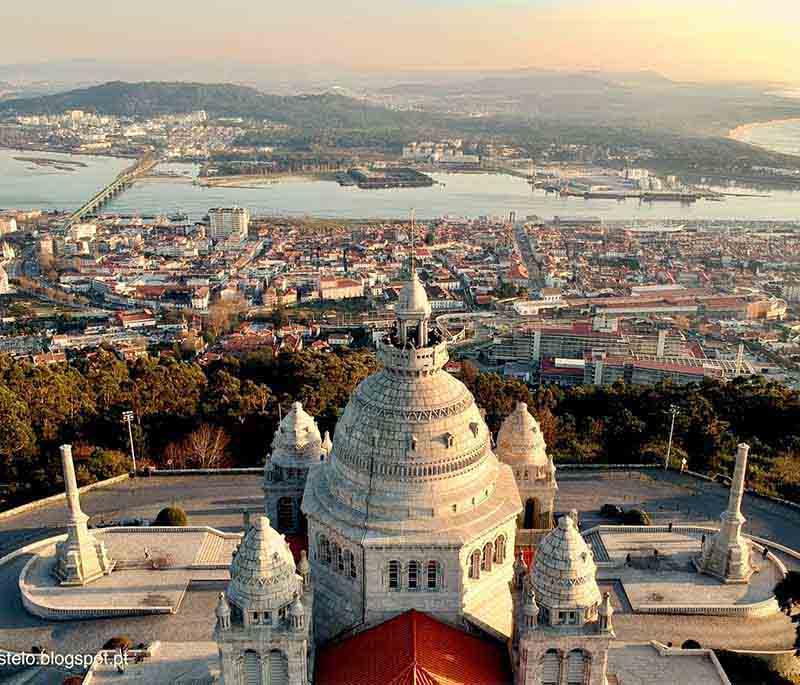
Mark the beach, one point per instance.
(778, 135)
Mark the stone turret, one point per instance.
(262, 627)
(726, 555)
(81, 558)
(296, 448)
(521, 445)
(562, 623)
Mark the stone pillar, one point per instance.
(80, 559)
(726, 555)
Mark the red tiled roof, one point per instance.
(413, 649)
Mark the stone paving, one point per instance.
(177, 663)
(642, 664)
(133, 586)
(672, 579)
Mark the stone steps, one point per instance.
(210, 551)
(595, 542)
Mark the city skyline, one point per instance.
(681, 40)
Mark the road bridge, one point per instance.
(121, 183)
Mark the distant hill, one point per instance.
(328, 110)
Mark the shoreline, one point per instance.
(740, 132)
(261, 181)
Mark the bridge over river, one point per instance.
(121, 183)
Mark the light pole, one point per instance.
(673, 409)
(127, 416)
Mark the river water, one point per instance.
(23, 184)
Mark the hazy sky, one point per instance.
(697, 39)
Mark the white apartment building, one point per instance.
(226, 222)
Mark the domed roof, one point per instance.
(520, 440)
(413, 300)
(411, 451)
(297, 439)
(564, 572)
(263, 573)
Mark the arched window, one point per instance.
(475, 565)
(413, 575)
(432, 573)
(486, 557)
(551, 668)
(500, 550)
(325, 550)
(278, 668)
(286, 514)
(350, 563)
(339, 557)
(576, 667)
(251, 668)
(394, 575)
(533, 512)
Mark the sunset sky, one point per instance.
(693, 40)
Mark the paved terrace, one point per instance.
(134, 586)
(671, 579)
(217, 501)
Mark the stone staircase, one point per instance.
(595, 542)
(211, 553)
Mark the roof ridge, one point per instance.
(414, 634)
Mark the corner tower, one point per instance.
(296, 447)
(263, 627)
(412, 510)
(562, 624)
(520, 444)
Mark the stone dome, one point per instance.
(411, 447)
(297, 441)
(564, 572)
(263, 576)
(413, 300)
(520, 440)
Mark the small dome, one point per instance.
(297, 439)
(564, 572)
(413, 300)
(263, 573)
(520, 440)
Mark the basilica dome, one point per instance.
(411, 483)
(411, 448)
